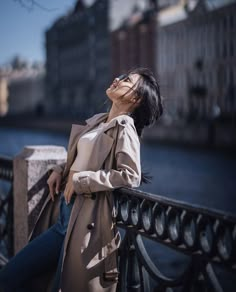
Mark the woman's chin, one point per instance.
(108, 92)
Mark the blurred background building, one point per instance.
(134, 42)
(189, 44)
(93, 43)
(78, 60)
(3, 96)
(196, 58)
(22, 88)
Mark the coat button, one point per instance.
(123, 122)
(90, 226)
(93, 197)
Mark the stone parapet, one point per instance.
(31, 168)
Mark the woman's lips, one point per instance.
(113, 86)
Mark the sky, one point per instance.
(22, 30)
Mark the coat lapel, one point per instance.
(104, 140)
(76, 132)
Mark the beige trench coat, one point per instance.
(91, 242)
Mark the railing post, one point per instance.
(30, 169)
(133, 277)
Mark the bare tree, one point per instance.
(31, 4)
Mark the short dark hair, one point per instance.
(150, 108)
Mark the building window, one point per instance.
(218, 49)
(143, 28)
(122, 35)
(231, 21)
(210, 79)
(101, 5)
(91, 20)
(225, 23)
(231, 48)
(225, 49)
(231, 76)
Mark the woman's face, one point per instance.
(122, 89)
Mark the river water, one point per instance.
(199, 176)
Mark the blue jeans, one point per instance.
(41, 255)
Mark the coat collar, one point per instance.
(99, 118)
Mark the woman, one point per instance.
(74, 242)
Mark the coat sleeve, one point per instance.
(59, 168)
(127, 172)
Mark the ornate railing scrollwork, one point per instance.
(207, 237)
(6, 211)
(6, 168)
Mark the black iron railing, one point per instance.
(6, 211)
(206, 236)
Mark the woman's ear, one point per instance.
(136, 100)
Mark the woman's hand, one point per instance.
(54, 182)
(69, 189)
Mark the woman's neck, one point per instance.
(115, 112)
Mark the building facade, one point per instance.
(189, 45)
(120, 11)
(22, 90)
(26, 92)
(78, 60)
(197, 58)
(133, 44)
(3, 96)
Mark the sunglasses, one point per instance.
(126, 76)
(122, 77)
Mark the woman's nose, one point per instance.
(116, 80)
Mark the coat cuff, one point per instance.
(81, 183)
(58, 169)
